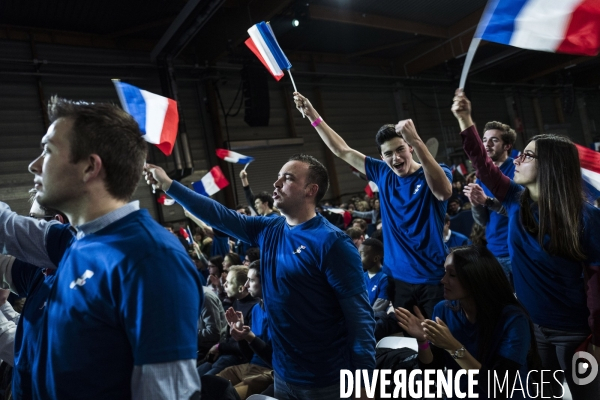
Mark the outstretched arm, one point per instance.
(214, 214)
(434, 174)
(336, 144)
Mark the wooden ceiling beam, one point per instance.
(345, 16)
(562, 65)
(436, 52)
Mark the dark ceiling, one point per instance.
(404, 37)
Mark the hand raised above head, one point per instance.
(461, 106)
(407, 129)
(304, 105)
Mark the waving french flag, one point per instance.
(563, 26)
(371, 189)
(233, 157)
(156, 115)
(211, 183)
(263, 44)
(590, 171)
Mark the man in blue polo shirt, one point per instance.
(314, 292)
(412, 203)
(121, 313)
(498, 139)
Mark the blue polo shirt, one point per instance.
(550, 287)
(376, 286)
(314, 293)
(260, 327)
(413, 224)
(512, 339)
(456, 239)
(496, 230)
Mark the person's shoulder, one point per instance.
(513, 314)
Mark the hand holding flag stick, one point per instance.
(263, 44)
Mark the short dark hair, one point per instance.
(317, 173)
(253, 254)
(354, 233)
(265, 197)
(455, 199)
(255, 265)
(376, 245)
(386, 133)
(111, 133)
(508, 135)
(217, 262)
(243, 207)
(234, 258)
(361, 222)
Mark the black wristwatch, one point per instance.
(460, 353)
(489, 202)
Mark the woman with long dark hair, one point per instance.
(480, 324)
(554, 245)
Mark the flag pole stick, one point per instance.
(468, 60)
(295, 90)
(246, 167)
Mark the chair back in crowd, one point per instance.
(398, 342)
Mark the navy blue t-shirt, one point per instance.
(308, 273)
(260, 327)
(550, 287)
(512, 338)
(29, 281)
(413, 221)
(496, 230)
(376, 286)
(126, 295)
(457, 239)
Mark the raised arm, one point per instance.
(24, 237)
(205, 208)
(336, 144)
(486, 170)
(434, 174)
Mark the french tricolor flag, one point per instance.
(563, 26)
(156, 115)
(371, 188)
(211, 183)
(590, 170)
(233, 157)
(263, 44)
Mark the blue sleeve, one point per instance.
(23, 276)
(58, 238)
(373, 168)
(343, 268)
(383, 285)
(513, 195)
(360, 324)
(344, 274)
(516, 338)
(246, 229)
(157, 331)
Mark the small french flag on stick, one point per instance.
(156, 115)
(371, 188)
(211, 183)
(233, 157)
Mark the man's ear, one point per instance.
(313, 189)
(93, 167)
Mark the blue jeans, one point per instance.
(556, 350)
(222, 362)
(287, 391)
(507, 268)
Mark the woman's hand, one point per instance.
(411, 323)
(439, 335)
(303, 105)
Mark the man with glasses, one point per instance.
(498, 139)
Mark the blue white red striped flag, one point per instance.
(233, 157)
(263, 44)
(590, 171)
(565, 26)
(371, 188)
(156, 115)
(211, 183)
